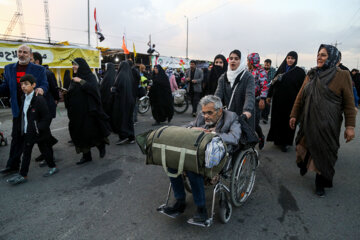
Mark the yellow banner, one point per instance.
(54, 56)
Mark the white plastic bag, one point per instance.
(215, 151)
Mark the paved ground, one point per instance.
(116, 197)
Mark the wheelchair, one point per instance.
(233, 185)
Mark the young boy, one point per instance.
(34, 125)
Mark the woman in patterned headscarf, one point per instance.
(283, 91)
(261, 91)
(324, 96)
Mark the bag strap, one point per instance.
(181, 162)
(182, 151)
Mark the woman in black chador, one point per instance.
(105, 88)
(220, 66)
(283, 91)
(88, 123)
(67, 79)
(161, 100)
(123, 105)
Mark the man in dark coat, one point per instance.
(194, 76)
(52, 98)
(11, 85)
(123, 105)
(88, 123)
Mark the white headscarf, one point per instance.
(231, 75)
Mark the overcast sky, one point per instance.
(270, 27)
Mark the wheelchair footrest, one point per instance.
(207, 223)
(160, 209)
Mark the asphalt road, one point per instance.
(116, 197)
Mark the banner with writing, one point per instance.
(54, 56)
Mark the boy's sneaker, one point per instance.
(131, 141)
(51, 172)
(16, 179)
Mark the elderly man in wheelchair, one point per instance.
(212, 118)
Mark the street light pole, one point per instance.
(187, 37)
(88, 2)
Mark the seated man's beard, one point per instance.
(209, 123)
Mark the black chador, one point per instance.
(162, 103)
(88, 123)
(123, 103)
(211, 82)
(284, 89)
(105, 88)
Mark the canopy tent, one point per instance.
(58, 57)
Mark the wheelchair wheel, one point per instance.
(243, 177)
(186, 183)
(225, 213)
(225, 209)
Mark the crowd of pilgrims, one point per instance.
(100, 104)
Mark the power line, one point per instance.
(40, 25)
(350, 23)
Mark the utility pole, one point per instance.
(88, 3)
(187, 37)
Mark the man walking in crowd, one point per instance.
(52, 98)
(261, 90)
(33, 127)
(270, 75)
(194, 77)
(11, 85)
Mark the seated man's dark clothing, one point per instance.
(229, 130)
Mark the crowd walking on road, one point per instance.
(287, 97)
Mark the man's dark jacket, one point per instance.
(10, 84)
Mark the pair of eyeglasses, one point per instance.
(209, 113)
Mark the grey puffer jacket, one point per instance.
(227, 128)
(244, 96)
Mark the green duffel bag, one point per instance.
(182, 149)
